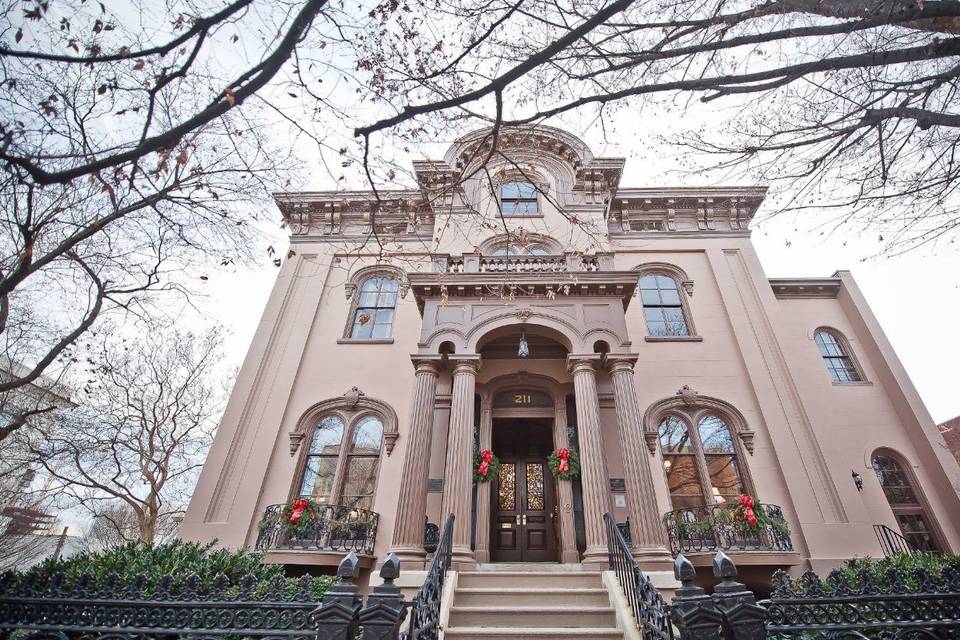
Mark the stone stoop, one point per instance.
(525, 603)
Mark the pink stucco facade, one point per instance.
(749, 356)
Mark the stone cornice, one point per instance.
(549, 286)
(787, 288)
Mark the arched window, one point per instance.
(701, 464)
(836, 357)
(513, 249)
(341, 464)
(518, 198)
(376, 306)
(905, 503)
(663, 306)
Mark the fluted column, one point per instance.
(649, 542)
(458, 476)
(412, 502)
(593, 465)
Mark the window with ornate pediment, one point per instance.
(344, 439)
(701, 460)
(341, 464)
(373, 293)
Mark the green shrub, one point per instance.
(905, 564)
(178, 559)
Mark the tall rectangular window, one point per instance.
(518, 198)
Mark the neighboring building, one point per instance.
(28, 530)
(950, 430)
(655, 347)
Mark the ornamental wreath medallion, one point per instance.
(484, 464)
(564, 464)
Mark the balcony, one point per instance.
(568, 262)
(321, 537)
(708, 529)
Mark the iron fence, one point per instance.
(712, 528)
(55, 606)
(914, 605)
(338, 528)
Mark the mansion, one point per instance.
(438, 350)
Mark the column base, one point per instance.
(411, 558)
(569, 556)
(653, 558)
(596, 558)
(462, 559)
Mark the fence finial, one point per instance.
(349, 567)
(683, 570)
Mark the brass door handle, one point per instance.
(518, 519)
(524, 519)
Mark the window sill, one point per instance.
(521, 215)
(364, 340)
(861, 383)
(673, 338)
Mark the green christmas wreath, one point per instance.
(485, 464)
(564, 464)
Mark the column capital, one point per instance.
(426, 363)
(618, 362)
(468, 363)
(577, 362)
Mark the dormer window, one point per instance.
(518, 198)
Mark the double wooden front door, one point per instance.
(522, 504)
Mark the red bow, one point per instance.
(298, 508)
(747, 502)
(486, 457)
(564, 455)
(748, 505)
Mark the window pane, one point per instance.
(367, 299)
(361, 476)
(894, 481)
(715, 435)
(362, 324)
(318, 477)
(536, 250)
(915, 530)
(389, 284)
(724, 477)
(507, 486)
(367, 436)
(518, 190)
(649, 297)
(653, 314)
(670, 296)
(535, 487)
(682, 480)
(674, 437)
(666, 282)
(648, 282)
(658, 329)
(327, 436)
(673, 315)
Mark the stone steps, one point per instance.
(528, 602)
(480, 596)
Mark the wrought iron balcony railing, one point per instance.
(328, 528)
(714, 528)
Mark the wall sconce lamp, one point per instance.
(857, 480)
